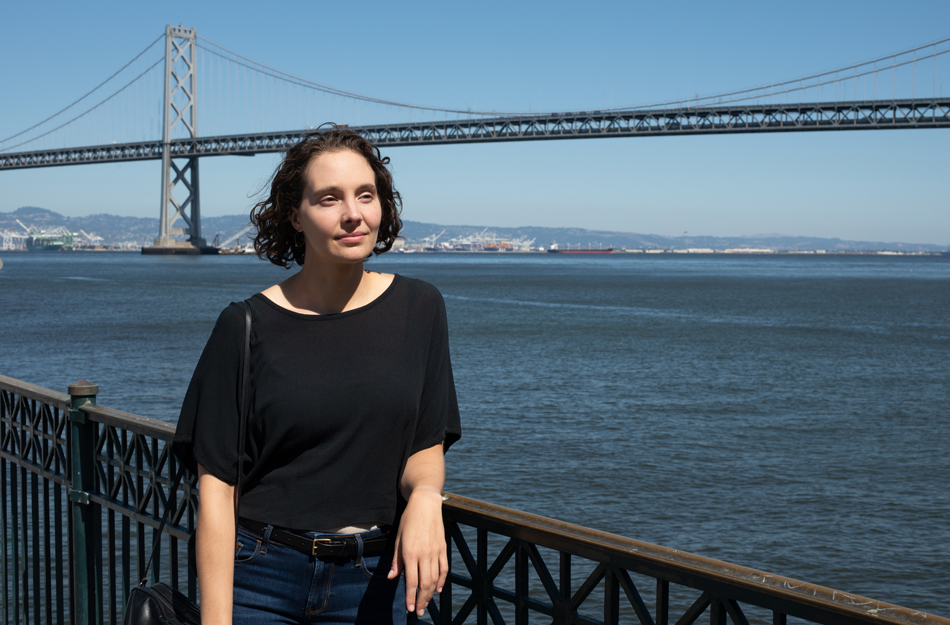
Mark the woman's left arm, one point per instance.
(420, 541)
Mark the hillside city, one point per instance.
(33, 227)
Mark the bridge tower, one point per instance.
(180, 121)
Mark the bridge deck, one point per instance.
(807, 117)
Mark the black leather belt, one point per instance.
(344, 546)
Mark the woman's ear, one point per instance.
(294, 221)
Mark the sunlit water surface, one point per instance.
(785, 413)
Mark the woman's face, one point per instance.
(340, 212)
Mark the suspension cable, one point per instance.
(327, 89)
(87, 95)
(813, 76)
(83, 114)
(784, 91)
(254, 66)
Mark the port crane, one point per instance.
(235, 237)
(91, 239)
(11, 240)
(429, 241)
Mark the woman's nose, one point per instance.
(351, 210)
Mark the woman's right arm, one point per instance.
(215, 548)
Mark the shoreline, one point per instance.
(650, 252)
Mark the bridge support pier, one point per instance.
(180, 117)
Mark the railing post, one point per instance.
(87, 516)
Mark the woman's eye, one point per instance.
(366, 197)
(327, 201)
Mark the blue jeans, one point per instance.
(277, 584)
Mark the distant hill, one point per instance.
(416, 231)
(142, 230)
(115, 229)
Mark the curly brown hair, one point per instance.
(275, 234)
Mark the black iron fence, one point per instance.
(82, 491)
(83, 488)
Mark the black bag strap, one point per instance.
(245, 404)
(242, 429)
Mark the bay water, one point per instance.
(788, 413)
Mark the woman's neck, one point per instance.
(328, 290)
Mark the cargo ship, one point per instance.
(47, 240)
(41, 243)
(498, 246)
(555, 250)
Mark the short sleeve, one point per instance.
(207, 431)
(439, 412)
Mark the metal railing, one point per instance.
(83, 488)
(73, 553)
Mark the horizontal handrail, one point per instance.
(794, 597)
(127, 421)
(32, 391)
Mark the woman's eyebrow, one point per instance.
(332, 189)
(325, 190)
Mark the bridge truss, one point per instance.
(867, 115)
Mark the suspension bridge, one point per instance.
(149, 110)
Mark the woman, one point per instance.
(352, 408)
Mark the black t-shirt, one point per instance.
(338, 404)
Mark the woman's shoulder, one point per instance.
(231, 320)
(420, 290)
(422, 297)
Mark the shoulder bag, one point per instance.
(160, 604)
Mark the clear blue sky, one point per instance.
(870, 185)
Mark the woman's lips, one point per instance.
(353, 237)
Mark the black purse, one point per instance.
(160, 604)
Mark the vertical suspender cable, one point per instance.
(228, 99)
(208, 86)
(213, 113)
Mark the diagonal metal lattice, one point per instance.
(32, 433)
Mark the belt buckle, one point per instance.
(319, 540)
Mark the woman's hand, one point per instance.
(420, 541)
